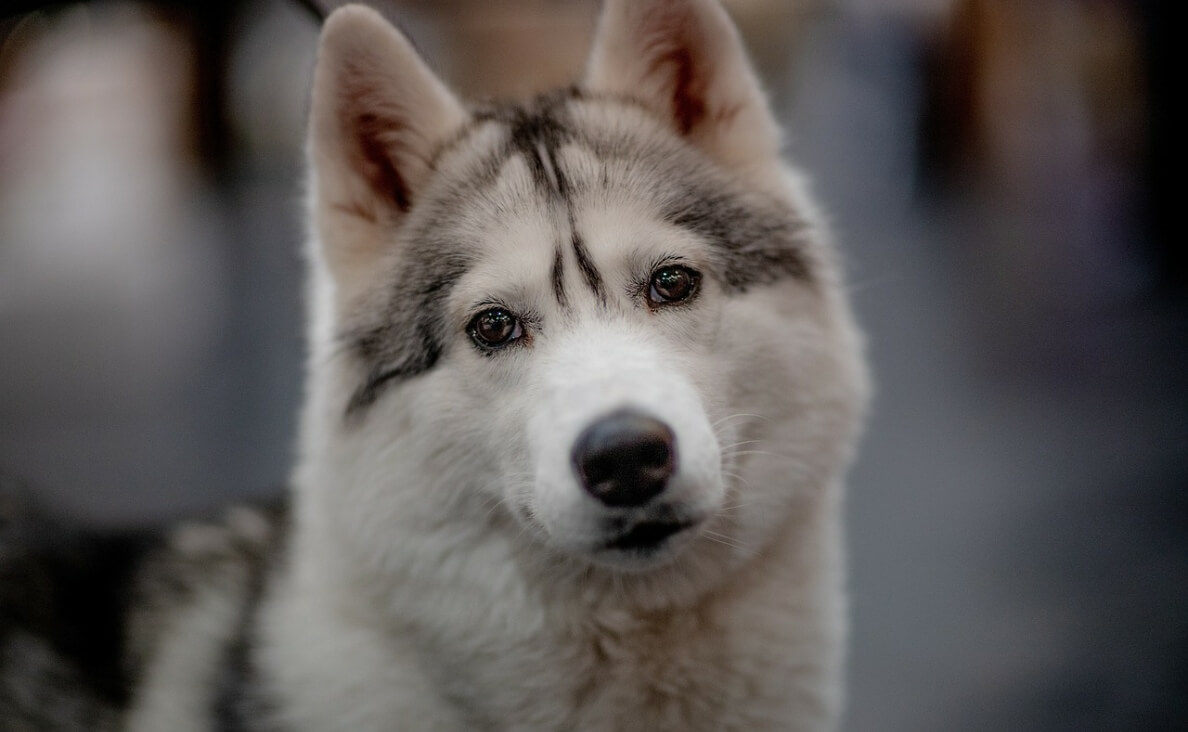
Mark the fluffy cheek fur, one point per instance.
(797, 385)
(390, 488)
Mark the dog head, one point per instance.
(602, 329)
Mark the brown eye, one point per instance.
(672, 284)
(495, 328)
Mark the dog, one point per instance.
(582, 388)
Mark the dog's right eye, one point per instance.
(495, 328)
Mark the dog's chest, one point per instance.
(678, 672)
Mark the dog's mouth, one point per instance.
(647, 535)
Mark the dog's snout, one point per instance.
(625, 458)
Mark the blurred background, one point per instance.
(998, 171)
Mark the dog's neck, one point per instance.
(464, 628)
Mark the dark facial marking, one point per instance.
(757, 241)
(412, 330)
(537, 132)
(557, 274)
(586, 266)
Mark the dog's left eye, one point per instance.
(672, 284)
(495, 328)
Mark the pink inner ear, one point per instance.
(689, 88)
(375, 159)
(677, 50)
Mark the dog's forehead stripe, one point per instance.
(590, 273)
(557, 274)
(538, 134)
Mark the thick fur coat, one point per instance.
(497, 294)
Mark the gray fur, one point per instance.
(411, 336)
(41, 691)
(82, 614)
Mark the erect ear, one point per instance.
(378, 113)
(684, 60)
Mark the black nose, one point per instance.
(625, 458)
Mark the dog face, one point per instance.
(603, 325)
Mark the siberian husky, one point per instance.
(583, 383)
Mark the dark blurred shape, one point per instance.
(60, 582)
(1042, 107)
(1165, 142)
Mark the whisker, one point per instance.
(768, 453)
(737, 478)
(727, 418)
(727, 448)
(723, 539)
(738, 505)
